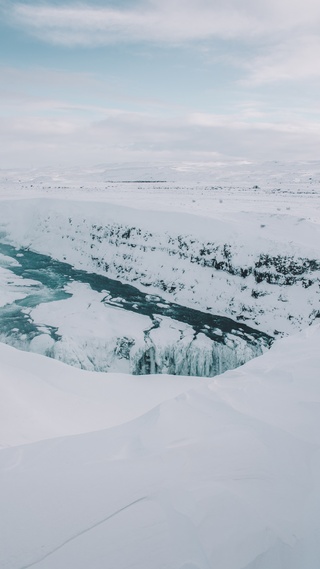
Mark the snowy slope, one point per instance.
(224, 476)
(42, 398)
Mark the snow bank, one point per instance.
(41, 398)
(226, 475)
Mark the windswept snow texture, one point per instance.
(42, 399)
(224, 476)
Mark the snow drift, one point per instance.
(225, 475)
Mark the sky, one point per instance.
(158, 80)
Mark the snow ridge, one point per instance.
(225, 474)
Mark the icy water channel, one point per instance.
(42, 280)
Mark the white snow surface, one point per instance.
(196, 234)
(145, 472)
(114, 471)
(42, 398)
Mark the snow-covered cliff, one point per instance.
(262, 270)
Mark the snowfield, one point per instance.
(225, 474)
(241, 241)
(111, 470)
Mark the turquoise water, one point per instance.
(53, 276)
(43, 280)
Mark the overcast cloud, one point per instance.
(178, 79)
(170, 21)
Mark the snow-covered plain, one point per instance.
(241, 241)
(111, 470)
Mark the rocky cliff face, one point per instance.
(272, 269)
(215, 266)
(263, 289)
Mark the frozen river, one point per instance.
(38, 279)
